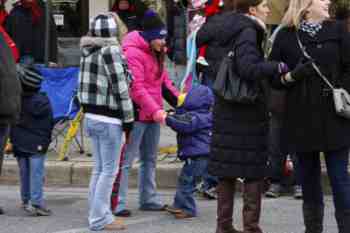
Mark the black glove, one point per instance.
(127, 127)
(303, 70)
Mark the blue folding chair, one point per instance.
(60, 85)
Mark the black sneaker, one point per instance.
(123, 213)
(1, 211)
(274, 191)
(39, 211)
(210, 194)
(298, 192)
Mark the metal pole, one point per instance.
(47, 31)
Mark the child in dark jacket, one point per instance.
(31, 137)
(193, 123)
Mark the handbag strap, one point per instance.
(316, 68)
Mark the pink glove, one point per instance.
(159, 116)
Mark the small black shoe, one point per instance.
(39, 211)
(123, 213)
(1, 211)
(210, 194)
(274, 191)
(154, 207)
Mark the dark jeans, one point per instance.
(4, 131)
(191, 171)
(277, 158)
(337, 169)
(209, 181)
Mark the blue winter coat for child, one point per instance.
(193, 123)
(32, 134)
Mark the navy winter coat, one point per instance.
(32, 134)
(193, 123)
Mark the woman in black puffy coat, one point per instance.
(239, 143)
(311, 124)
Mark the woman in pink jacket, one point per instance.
(145, 52)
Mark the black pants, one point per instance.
(277, 158)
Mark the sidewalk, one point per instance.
(76, 172)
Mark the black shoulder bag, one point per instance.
(229, 86)
(341, 97)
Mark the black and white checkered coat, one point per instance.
(104, 79)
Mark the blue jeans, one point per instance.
(4, 131)
(337, 169)
(106, 140)
(144, 140)
(32, 173)
(191, 172)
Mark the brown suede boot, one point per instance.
(252, 195)
(226, 194)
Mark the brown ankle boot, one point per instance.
(226, 193)
(252, 195)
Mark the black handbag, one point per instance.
(230, 87)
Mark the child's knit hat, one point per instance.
(152, 26)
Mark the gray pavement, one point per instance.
(70, 209)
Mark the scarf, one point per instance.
(34, 8)
(310, 28)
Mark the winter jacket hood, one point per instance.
(135, 41)
(199, 98)
(89, 44)
(233, 24)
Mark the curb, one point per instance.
(77, 174)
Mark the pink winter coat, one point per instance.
(146, 88)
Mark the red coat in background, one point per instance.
(10, 43)
(3, 12)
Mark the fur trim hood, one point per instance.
(89, 44)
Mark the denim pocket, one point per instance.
(94, 127)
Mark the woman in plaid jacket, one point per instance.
(104, 95)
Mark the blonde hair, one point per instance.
(296, 12)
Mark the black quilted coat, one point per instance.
(239, 143)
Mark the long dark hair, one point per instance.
(242, 6)
(160, 57)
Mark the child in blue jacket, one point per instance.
(31, 137)
(193, 123)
